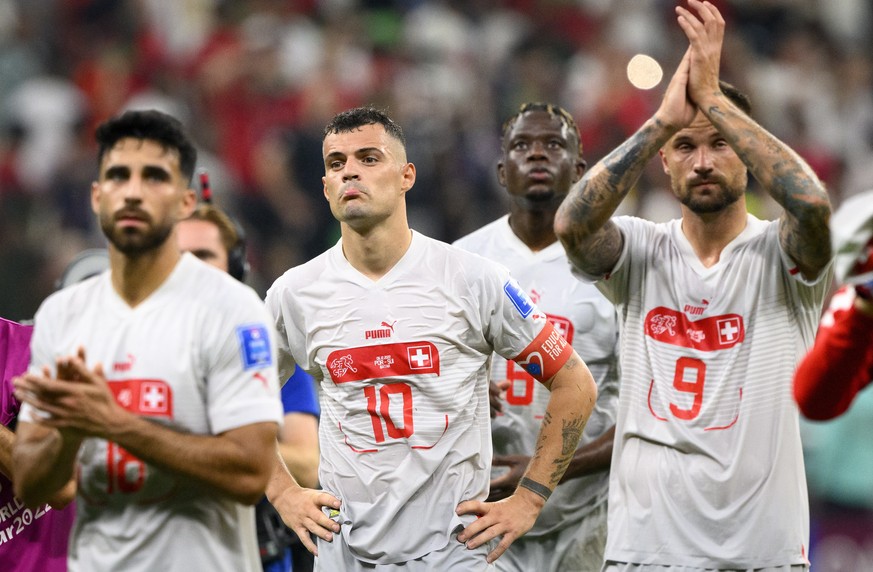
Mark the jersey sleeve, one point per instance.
(840, 363)
(277, 307)
(242, 381)
(519, 331)
(615, 285)
(41, 353)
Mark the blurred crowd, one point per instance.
(254, 81)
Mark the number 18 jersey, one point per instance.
(197, 355)
(707, 466)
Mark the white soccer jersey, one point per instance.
(403, 367)
(589, 322)
(197, 355)
(707, 468)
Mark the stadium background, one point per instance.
(255, 80)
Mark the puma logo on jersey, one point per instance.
(696, 310)
(123, 366)
(386, 331)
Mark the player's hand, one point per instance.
(64, 368)
(81, 404)
(676, 110)
(301, 510)
(495, 396)
(503, 486)
(705, 32)
(509, 519)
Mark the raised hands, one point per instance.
(705, 32)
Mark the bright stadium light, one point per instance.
(644, 72)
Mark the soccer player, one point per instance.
(542, 158)
(399, 330)
(154, 383)
(717, 308)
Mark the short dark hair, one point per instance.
(736, 96)
(154, 126)
(353, 119)
(554, 110)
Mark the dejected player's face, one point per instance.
(202, 239)
(140, 195)
(540, 160)
(366, 176)
(706, 174)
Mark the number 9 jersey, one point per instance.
(707, 458)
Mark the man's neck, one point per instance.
(535, 228)
(709, 233)
(374, 252)
(136, 278)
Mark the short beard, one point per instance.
(135, 244)
(723, 200)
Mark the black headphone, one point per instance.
(237, 265)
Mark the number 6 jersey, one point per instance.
(707, 467)
(403, 368)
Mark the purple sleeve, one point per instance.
(298, 394)
(14, 358)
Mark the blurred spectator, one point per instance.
(257, 78)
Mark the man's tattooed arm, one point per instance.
(804, 229)
(593, 243)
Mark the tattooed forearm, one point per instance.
(625, 164)
(571, 434)
(582, 223)
(804, 227)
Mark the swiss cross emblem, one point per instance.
(728, 330)
(153, 398)
(419, 357)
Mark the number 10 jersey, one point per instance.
(403, 369)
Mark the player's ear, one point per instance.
(663, 161)
(501, 173)
(189, 203)
(580, 165)
(324, 188)
(95, 197)
(407, 174)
